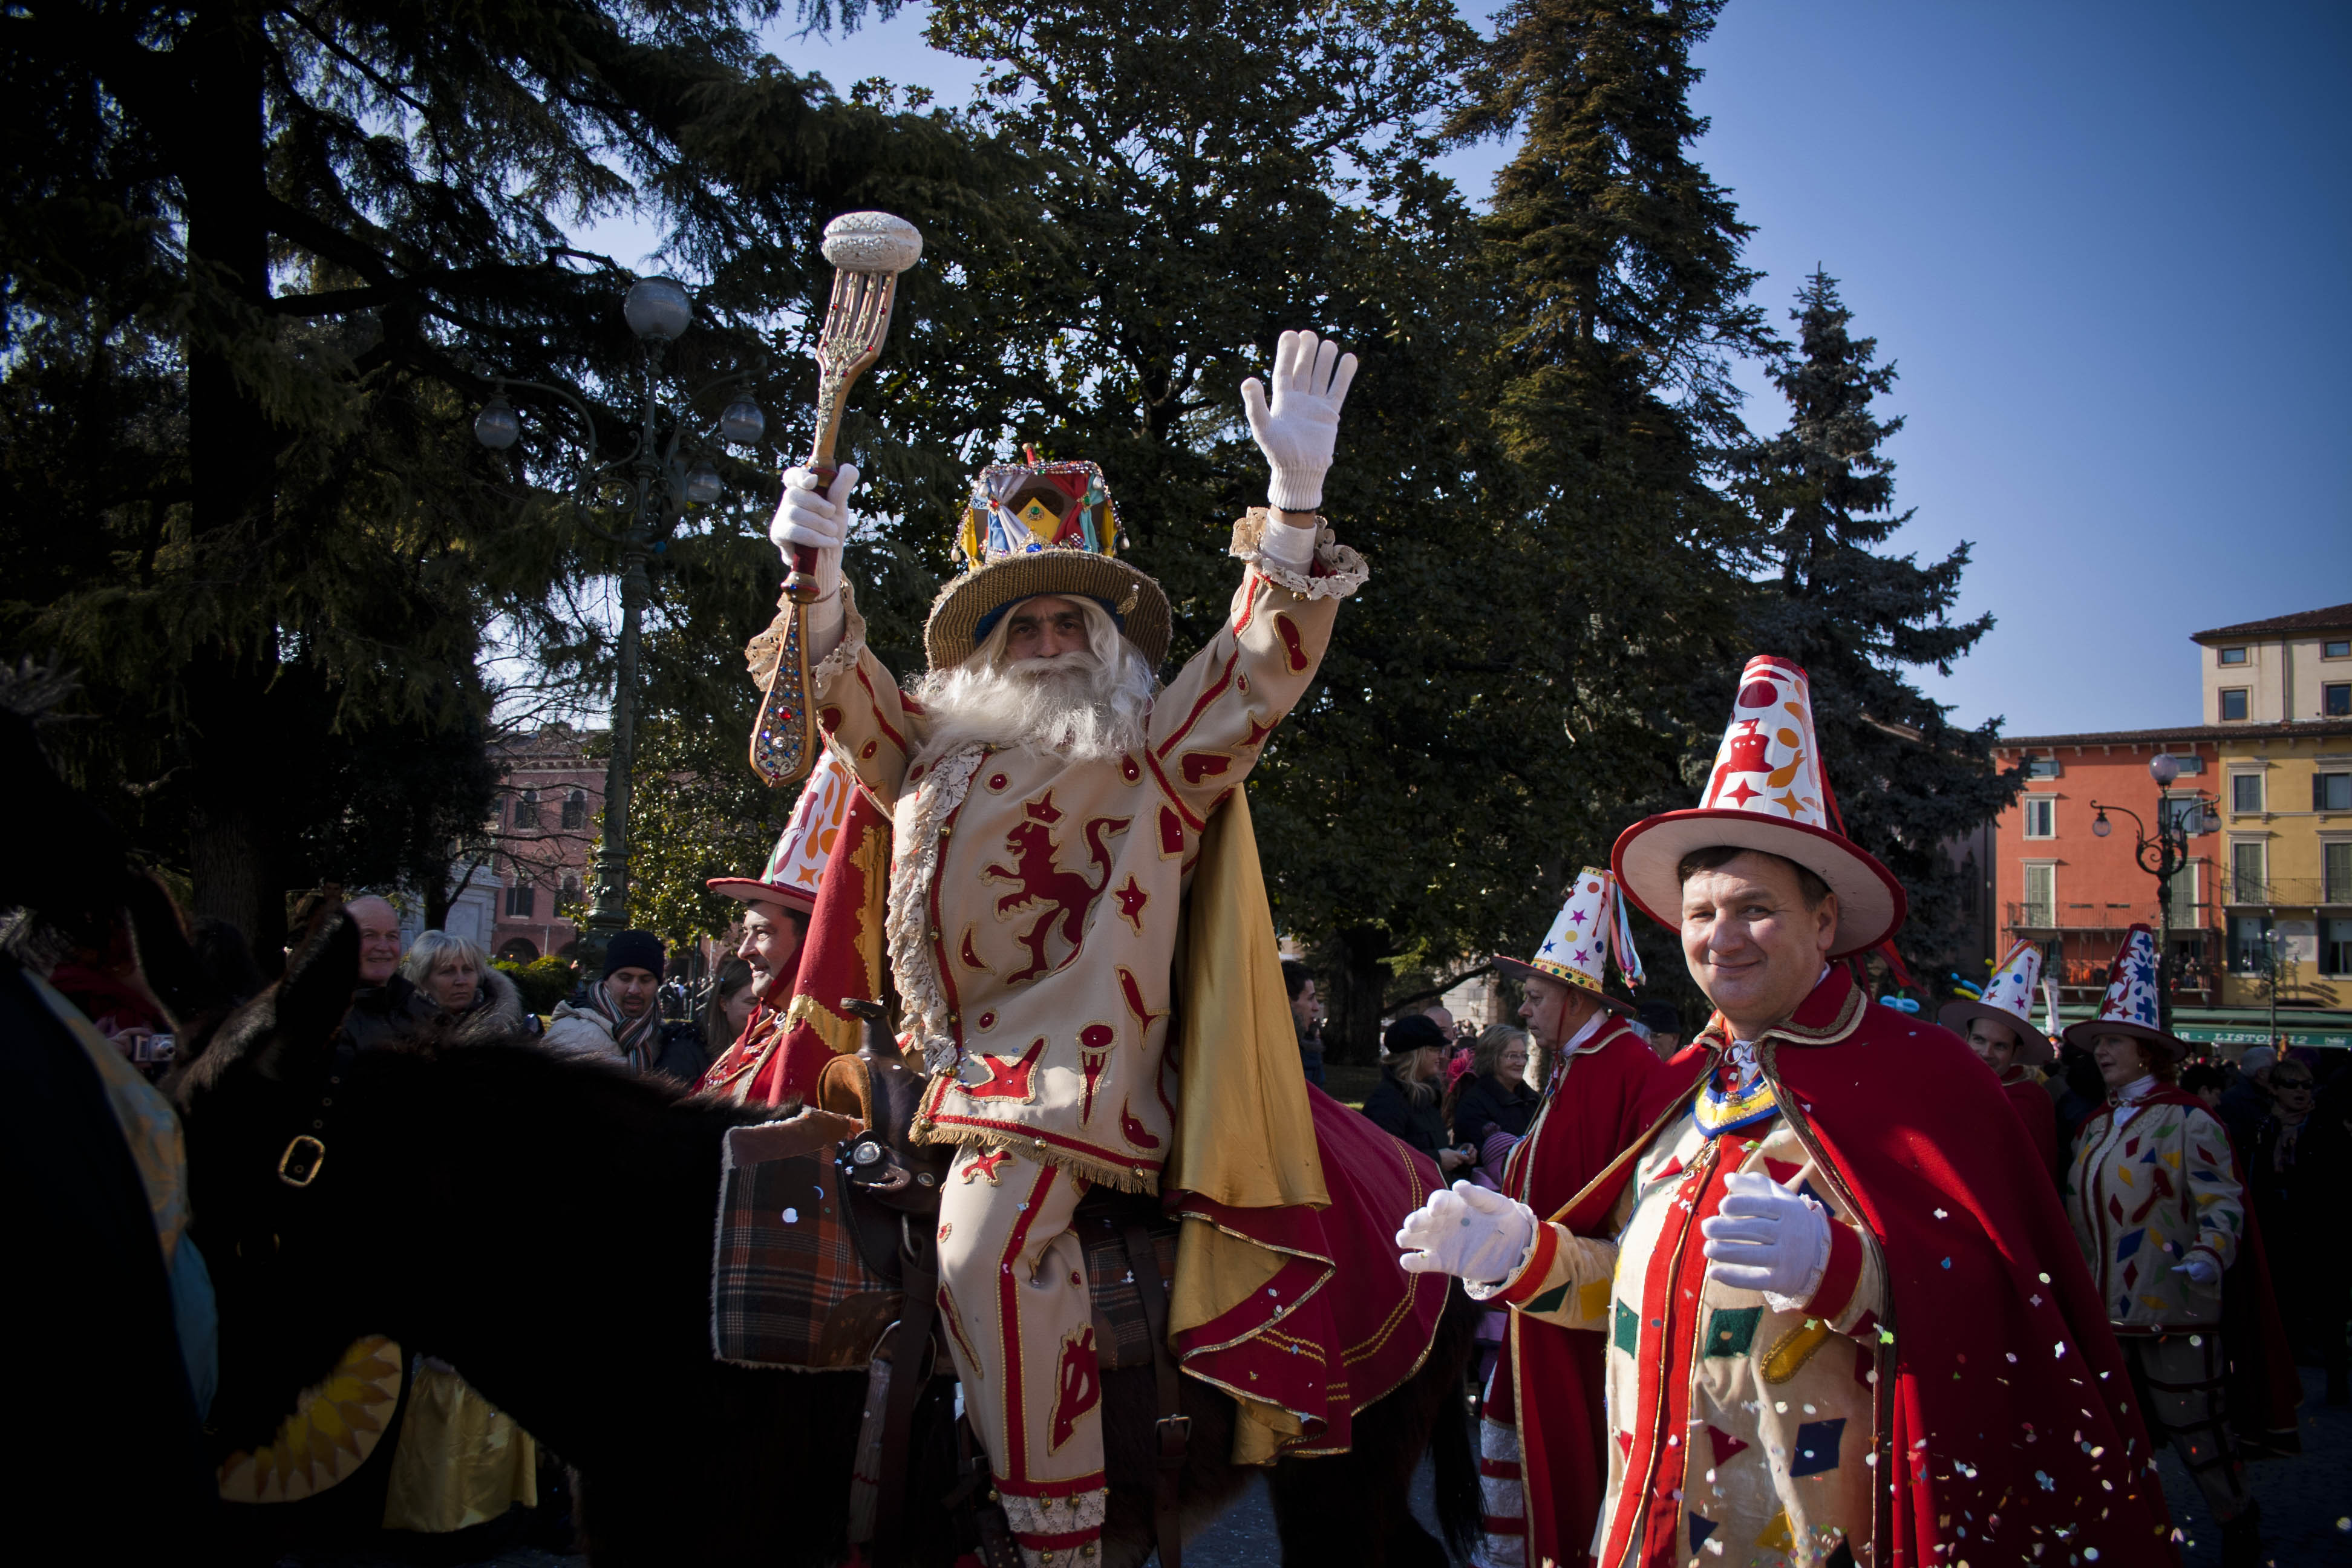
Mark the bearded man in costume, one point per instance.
(1837, 1328)
(1048, 799)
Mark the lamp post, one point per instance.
(2162, 855)
(661, 487)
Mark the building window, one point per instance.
(2249, 939)
(2336, 648)
(2249, 884)
(2336, 700)
(2184, 814)
(2041, 895)
(2335, 947)
(2232, 655)
(2180, 897)
(570, 889)
(2335, 882)
(2331, 791)
(2245, 792)
(2042, 768)
(2187, 764)
(2040, 817)
(523, 902)
(575, 809)
(2233, 704)
(525, 812)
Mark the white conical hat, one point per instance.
(2008, 999)
(795, 866)
(1589, 926)
(2130, 1007)
(1767, 792)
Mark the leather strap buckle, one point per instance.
(298, 1167)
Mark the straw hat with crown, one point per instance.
(1034, 528)
(1590, 927)
(796, 869)
(2130, 1007)
(2008, 1000)
(1767, 792)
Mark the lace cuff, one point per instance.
(1335, 571)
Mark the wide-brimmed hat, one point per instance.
(2130, 1006)
(1767, 792)
(1041, 528)
(1575, 951)
(795, 867)
(2008, 1000)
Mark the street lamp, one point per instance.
(661, 487)
(2162, 855)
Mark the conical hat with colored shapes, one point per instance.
(2130, 1007)
(796, 869)
(1767, 792)
(2008, 999)
(1589, 926)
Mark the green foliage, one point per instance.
(544, 982)
(1908, 781)
(699, 812)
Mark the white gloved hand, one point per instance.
(818, 520)
(2203, 1273)
(1301, 430)
(1470, 1231)
(1766, 1237)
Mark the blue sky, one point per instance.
(2109, 247)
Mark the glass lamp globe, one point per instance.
(2163, 767)
(702, 486)
(658, 308)
(496, 426)
(2101, 826)
(743, 424)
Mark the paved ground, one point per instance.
(2306, 1513)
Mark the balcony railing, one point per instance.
(2034, 918)
(2287, 892)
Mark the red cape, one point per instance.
(2039, 1114)
(2002, 1395)
(1548, 1379)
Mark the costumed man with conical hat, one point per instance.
(2160, 1207)
(1049, 799)
(763, 1066)
(1542, 1441)
(1999, 1027)
(1812, 1267)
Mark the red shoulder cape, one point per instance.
(2004, 1408)
(2039, 1114)
(1588, 1116)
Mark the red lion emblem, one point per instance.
(1063, 898)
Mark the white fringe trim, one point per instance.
(913, 868)
(1345, 569)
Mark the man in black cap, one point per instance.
(616, 1020)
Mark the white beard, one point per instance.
(1072, 707)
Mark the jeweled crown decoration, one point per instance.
(1769, 761)
(1020, 509)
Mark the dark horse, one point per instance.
(545, 1225)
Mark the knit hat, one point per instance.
(2254, 1058)
(1414, 1032)
(2130, 1007)
(1041, 528)
(2008, 1000)
(1575, 951)
(1769, 791)
(633, 949)
(1661, 1017)
(795, 866)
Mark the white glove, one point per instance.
(1766, 1237)
(2204, 1274)
(1300, 432)
(1470, 1231)
(818, 520)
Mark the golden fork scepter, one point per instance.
(869, 250)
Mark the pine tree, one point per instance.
(1907, 780)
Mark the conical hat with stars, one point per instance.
(2008, 999)
(1768, 791)
(2130, 1005)
(795, 867)
(1576, 950)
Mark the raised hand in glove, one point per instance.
(2204, 1274)
(818, 519)
(1300, 429)
(1766, 1237)
(1470, 1231)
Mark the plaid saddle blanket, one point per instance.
(790, 1288)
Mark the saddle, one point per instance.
(891, 1188)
